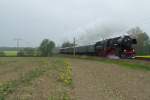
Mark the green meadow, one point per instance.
(10, 53)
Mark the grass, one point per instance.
(148, 56)
(11, 86)
(64, 96)
(128, 63)
(132, 65)
(42, 66)
(59, 68)
(11, 53)
(64, 76)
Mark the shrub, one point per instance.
(2, 54)
(20, 53)
(26, 52)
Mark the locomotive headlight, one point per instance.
(124, 50)
(133, 50)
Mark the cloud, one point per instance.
(34, 20)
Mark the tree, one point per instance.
(147, 47)
(46, 47)
(67, 44)
(142, 40)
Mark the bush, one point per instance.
(27, 52)
(2, 54)
(20, 53)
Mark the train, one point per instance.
(121, 47)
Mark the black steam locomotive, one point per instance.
(119, 46)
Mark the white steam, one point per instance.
(99, 31)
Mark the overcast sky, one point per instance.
(61, 20)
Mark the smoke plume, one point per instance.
(99, 31)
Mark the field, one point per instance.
(10, 53)
(68, 78)
(144, 56)
(33, 79)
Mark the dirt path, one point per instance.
(98, 81)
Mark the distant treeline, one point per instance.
(8, 49)
(46, 48)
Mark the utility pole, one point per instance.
(18, 41)
(74, 44)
